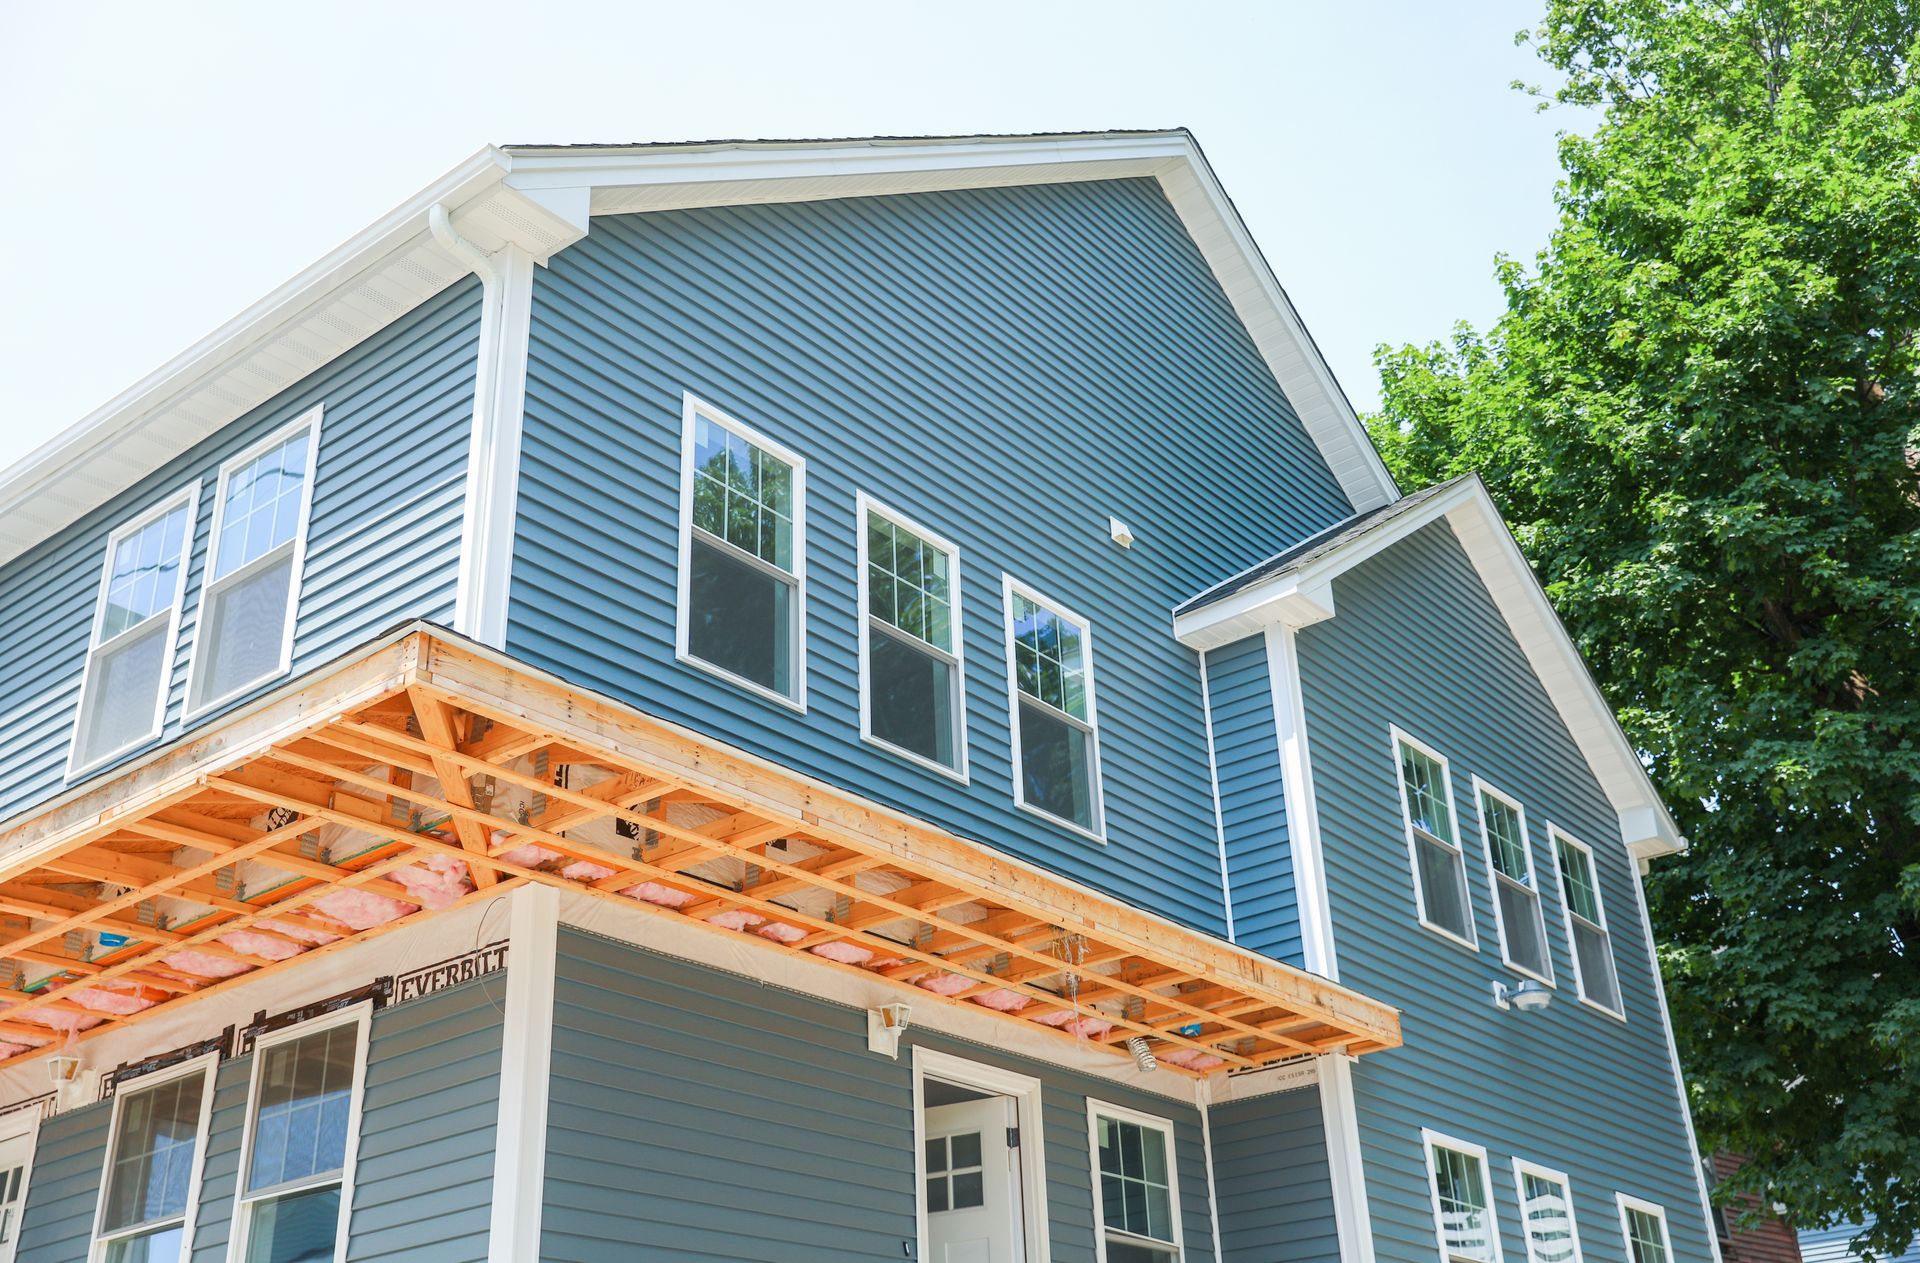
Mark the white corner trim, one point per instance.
(1219, 818)
(493, 445)
(1203, 1099)
(1318, 953)
(1673, 1060)
(1346, 1169)
(526, 1062)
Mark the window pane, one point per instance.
(966, 1149)
(1504, 837)
(306, 1091)
(1520, 919)
(1548, 1219)
(144, 574)
(937, 1193)
(1460, 1184)
(1049, 658)
(911, 699)
(1443, 886)
(909, 583)
(1576, 880)
(242, 626)
(261, 508)
(1426, 794)
(1595, 951)
(740, 618)
(969, 1190)
(154, 1155)
(122, 693)
(1643, 1233)
(1135, 1192)
(1056, 772)
(162, 1245)
(742, 494)
(298, 1228)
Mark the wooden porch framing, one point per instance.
(401, 764)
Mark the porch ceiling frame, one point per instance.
(403, 728)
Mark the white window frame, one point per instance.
(1625, 1203)
(1521, 1170)
(1555, 836)
(1472, 939)
(1120, 1113)
(188, 495)
(21, 1122)
(309, 421)
(359, 1015)
(1495, 877)
(865, 505)
(1430, 1138)
(204, 1066)
(1011, 587)
(1025, 1091)
(691, 409)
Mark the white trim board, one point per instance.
(539, 199)
(1301, 595)
(1025, 1092)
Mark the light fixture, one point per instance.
(1142, 1055)
(1119, 532)
(884, 1027)
(61, 1067)
(1528, 997)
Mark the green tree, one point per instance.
(1700, 410)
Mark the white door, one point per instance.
(16, 1154)
(973, 1184)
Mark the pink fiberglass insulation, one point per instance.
(14, 1050)
(254, 943)
(845, 953)
(204, 964)
(781, 933)
(1191, 1058)
(736, 919)
(108, 997)
(665, 896)
(305, 933)
(361, 909)
(943, 984)
(1074, 1023)
(1003, 1000)
(526, 855)
(438, 882)
(585, 870)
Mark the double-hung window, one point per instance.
(1546, 1214)
(1593, 967)
(1433, 842)
(1056, 739)
(1134, 1188)
(1645, 1227)
(742, 555)
(1463, 1216)
(245, 625)
(303, 1128)
(152, 1181)
(1516, 895)
(911, 680)
(123, 691)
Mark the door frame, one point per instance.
(1025, 1091)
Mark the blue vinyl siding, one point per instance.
(1419, 642)
(424, 1183)
(1270, 1171)
(63, 1192)
(1253, 809)
(383, 545)
(1007, 366)
(699, 1115)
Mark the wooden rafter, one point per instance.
(363, 779)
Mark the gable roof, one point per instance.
(540, 197)
(1296, 587)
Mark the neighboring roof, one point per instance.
(1296, 587)
(540, 198)
(1830, 1245)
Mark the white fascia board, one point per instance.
(1299, 597)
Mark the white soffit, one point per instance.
(539, 197)
(1303, 594)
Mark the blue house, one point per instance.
(832, 700)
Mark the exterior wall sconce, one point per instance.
(1528, 997)
(1120, 532)
(885, 1026)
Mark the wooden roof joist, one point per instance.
(426, 772)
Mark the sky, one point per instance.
(171, 163)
